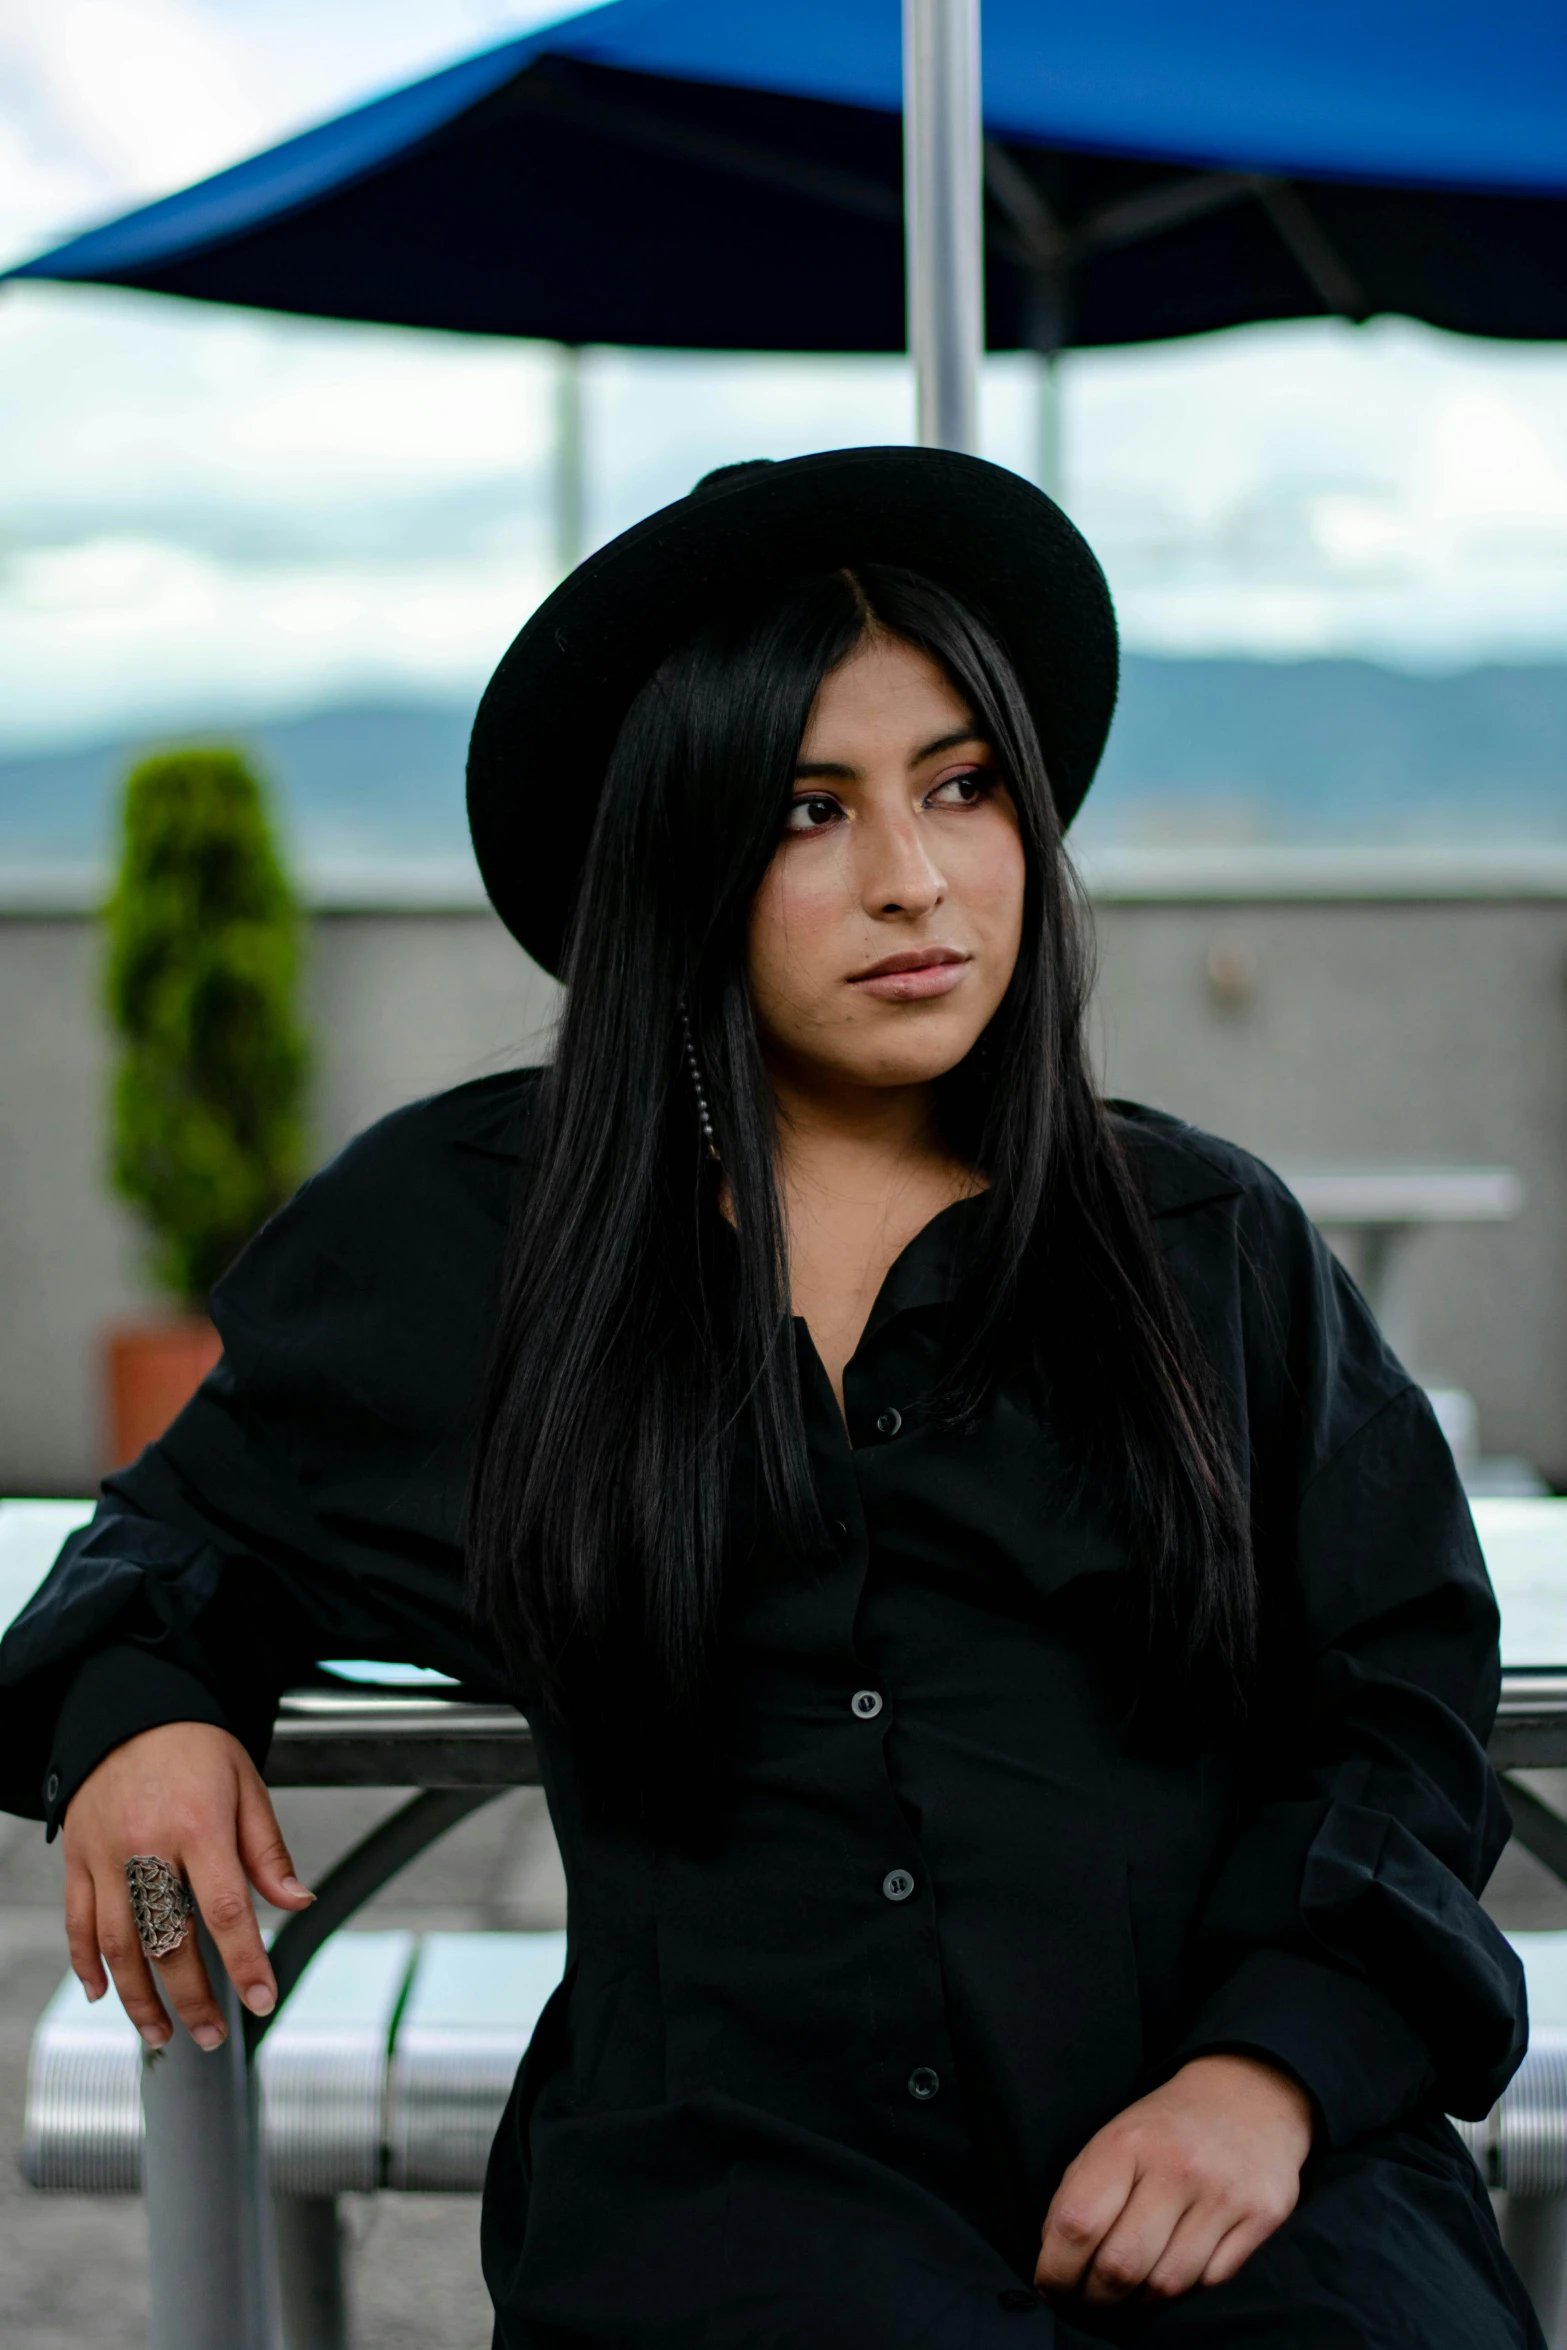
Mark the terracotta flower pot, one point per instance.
(151, 1371)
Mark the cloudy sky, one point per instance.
(206, 512)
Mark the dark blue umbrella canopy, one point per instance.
(702, 174)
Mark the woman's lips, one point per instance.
(901, 979)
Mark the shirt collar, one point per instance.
(1177, 1173)
(1180, 1170)
(496, 1125)
(928, 1271)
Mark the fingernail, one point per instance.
(207, 2036)
(153, 2034)
(93, 1996)
(259, 1999)
(297, 1892)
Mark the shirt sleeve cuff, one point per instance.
(1345, 2043)
(116, 1694)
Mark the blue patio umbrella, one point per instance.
(697, 173)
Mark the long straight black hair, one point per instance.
(640, 1331)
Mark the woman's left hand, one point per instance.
(1181, 2188)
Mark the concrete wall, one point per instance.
(1371, 1029)
(1386, 1032)
(402, 1005)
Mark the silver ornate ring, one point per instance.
(161, 1904)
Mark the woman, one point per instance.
(1009, 1653)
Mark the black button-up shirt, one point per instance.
(946, 1916)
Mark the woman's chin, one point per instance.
(916, 1060)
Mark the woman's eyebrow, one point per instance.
(807, 769)
(947, 742)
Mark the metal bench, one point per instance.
(389, 2068)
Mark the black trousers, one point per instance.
(1393, 2246)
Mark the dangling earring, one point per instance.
(703, 1118)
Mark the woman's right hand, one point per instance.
(190, 1794)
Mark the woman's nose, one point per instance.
(898, 874)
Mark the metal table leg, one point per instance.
(1534, 2227)
(1534, 2230)
(1538, 1828)
(210, 2257)
(349, 1883)
(309, 2238)
(231, 2268)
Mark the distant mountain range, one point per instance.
(1323, 752)
(382, 780)
(1310, 752)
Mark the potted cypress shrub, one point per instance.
(208, 1097)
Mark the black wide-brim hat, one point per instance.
(550, 714)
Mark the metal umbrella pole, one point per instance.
(943, 148)
(570, 483)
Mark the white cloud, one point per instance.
(1490, 460)
(107, 103)
(148, 88)
(124, 632)
(114, 401)
(1387, 491)
(110, 101)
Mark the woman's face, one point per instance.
(887, 926)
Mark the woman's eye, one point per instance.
(963, 791)
(810, 815)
